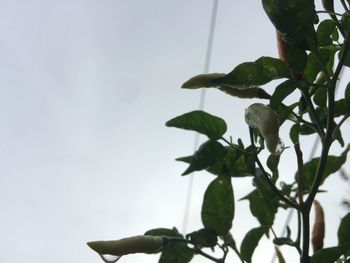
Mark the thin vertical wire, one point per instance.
(201, 106)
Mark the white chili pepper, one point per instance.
(136, 244)
(263, 118)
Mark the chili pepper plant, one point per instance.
(312, 53)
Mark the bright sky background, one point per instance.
(85, 89)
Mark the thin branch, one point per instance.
(300, 162)
(312, 112)
(267, 178)
(344, 5)
(337, 128)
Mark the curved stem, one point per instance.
(264, 173)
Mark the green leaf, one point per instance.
(272, 164)
(282, 91)
(313, 66)
(341, 107)
(320, 97)
(248, 93)
(245, 75)
(274, 68)
(294, 20)
(202, 122)
(235, 164)
(176, 253)
(252, 74)
(212, 81)
(333, 165)
(344, 230)
(297, 59)
(328, 255)
(250, 242)
(218, 205)
(325, 31)
(294, 133)
(262, 207)
(208, 153)
(203, 238)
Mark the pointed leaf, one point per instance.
(344, 230)
(203, 238)
(328, 255)
(282, 91)
(176, 253)
(218, 205)
(202, 122)
(208, 153)
(333, 164)
(324, 31)
(250, 242)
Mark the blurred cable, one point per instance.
(201, 106)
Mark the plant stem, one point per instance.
(270, 183)
(312, 112)
(300, 162)
(306, 236)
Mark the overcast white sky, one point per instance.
(85, 89)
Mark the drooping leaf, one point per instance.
(294, 133)
(202, 122)
(313, 67)
(203, 238)
(297, 59)
(328, 255)
(262, 208)
(324, 32)
(218, 205)
(252, 74)
(274, 68)
(208, 153)
(333, 164)
(294, 20)
(214, 80)
(320, 97)
(250, 242)
(344, 230)
(249, 93)
(282, 91)
(176, 253)
(272, 164)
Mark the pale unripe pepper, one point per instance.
(136, 244)
(263, 118)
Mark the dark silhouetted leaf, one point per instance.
(250, 242)
(333, 164)
(218, 205)
(203, 238)
(202, 122)
(176, 253)
(208, 153)
(324, 31)
(344, 230)
(281, 92)
(328, 255)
